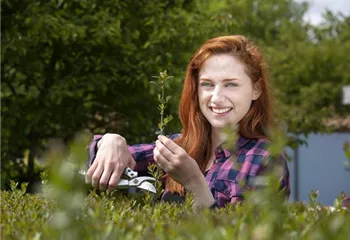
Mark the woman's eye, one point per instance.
(206, 84)
(231, 84)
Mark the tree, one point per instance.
(76, 65)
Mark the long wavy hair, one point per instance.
(196, 134)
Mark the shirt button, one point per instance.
(216, 161)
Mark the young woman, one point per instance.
(226, 85)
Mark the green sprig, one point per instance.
(163, 100)
(154, 170)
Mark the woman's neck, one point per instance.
(217, 138)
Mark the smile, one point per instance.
(220, 110)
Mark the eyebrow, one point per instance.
(225, 80)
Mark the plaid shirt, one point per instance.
(252, 159)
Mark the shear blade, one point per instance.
(147, 186)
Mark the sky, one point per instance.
(317, 7)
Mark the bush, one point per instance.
(64, 210)
(36, 216)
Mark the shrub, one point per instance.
(64, 210)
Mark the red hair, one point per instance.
(196, 135)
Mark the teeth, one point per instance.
(220, 110)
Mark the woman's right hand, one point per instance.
(112, 158)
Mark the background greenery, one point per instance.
(79, 65)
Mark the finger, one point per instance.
(96, 176)
(172, 146)
(164, 151)
(90, 172)
(105, 178)
(160, 160)
(132, 162)
(115, 178)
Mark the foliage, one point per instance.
(27, 216)
(153, 169)
(65, 211)
(163, 101)
(70, 66)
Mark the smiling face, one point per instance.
(225, 91)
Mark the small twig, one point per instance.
(163, 101)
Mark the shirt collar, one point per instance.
(240, 142)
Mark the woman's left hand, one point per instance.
(175, 161)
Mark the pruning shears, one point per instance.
(133, 184)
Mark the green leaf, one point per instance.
(167, 98)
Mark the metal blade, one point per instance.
(147, 186)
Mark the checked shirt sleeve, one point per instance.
(93, 149)
(142, 153)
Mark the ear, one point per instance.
(256, 90)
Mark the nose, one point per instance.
(217, 97)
